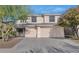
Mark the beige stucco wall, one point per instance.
(57, 31)
(39, 19)
(56, 18)
(46, 18)
(29, 19)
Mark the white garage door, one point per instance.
(52, 32)
(44, 32)
(30, 33)
(40, 32)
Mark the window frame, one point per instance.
(35, 19)
(51, 20)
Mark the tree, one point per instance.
(8, 31)
(13, 12)
(70, 19)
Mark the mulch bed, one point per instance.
(9, 44)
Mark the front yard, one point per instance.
(9, 44)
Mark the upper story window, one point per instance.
(23, 21)
(34, 19)
(51, 18)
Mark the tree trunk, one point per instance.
(6, 38)
(3, 36)
(75, 31)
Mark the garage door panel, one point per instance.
(31, 32)
(44, 32)
(40, 32)
(52, 32)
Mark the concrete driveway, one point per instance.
(44, 45)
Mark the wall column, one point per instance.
(38, 32)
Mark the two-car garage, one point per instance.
(43, 32)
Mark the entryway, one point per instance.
(20, 32)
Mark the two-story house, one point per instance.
(40, 26)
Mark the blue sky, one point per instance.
(50, 9)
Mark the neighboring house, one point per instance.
(40, 26)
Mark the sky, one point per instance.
(50, 9)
